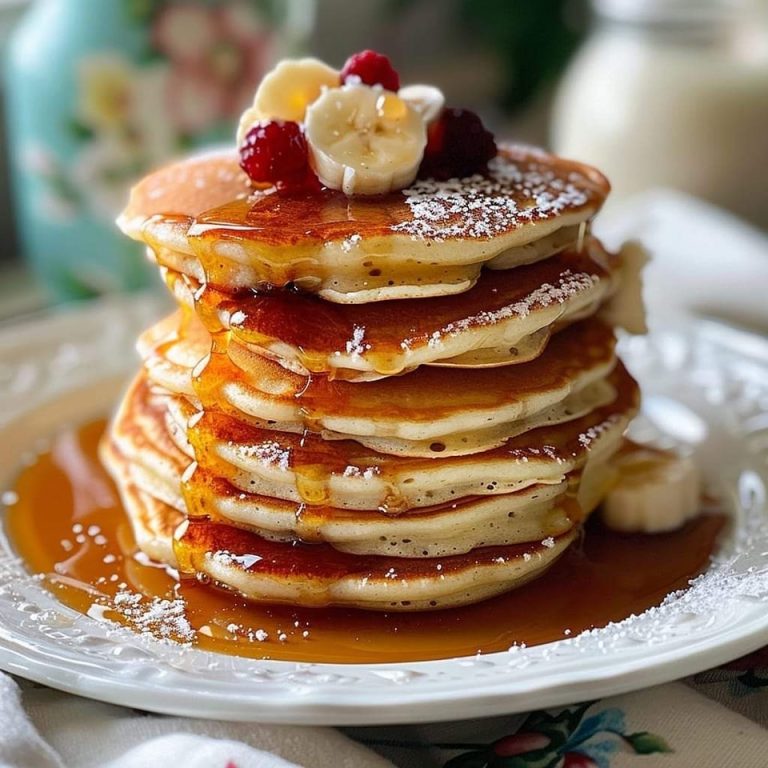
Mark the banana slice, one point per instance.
(364, 140)
(286, 91)
(625, 308)
(427, 100)
(655, 491)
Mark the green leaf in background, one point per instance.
(556, 727)
(644, 743)
(533, 40)
(141, 11)
(80, 130)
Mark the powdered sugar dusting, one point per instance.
(567, 287)
(229, 559)
(269, 452)
(356, 345)
(587, 437)
(366, 474)
(510, 195)
(158, 617)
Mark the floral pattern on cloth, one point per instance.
(197, 69)
(569, 739)
(740, 685)
(749, 674)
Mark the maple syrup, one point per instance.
(380, 331)
(424, 396)
(69, 525)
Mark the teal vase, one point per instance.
(100, 91)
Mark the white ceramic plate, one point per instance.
(706, 388)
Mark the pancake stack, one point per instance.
(396, 402)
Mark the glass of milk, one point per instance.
(673, 93)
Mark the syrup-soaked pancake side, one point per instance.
(506, 318)
(307, 469)
(200, 217)
(69, 525)
(425, 413)
(244, 477)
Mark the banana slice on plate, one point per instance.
(655, 491)
(286, 91)
(364, 140)
(427, 100)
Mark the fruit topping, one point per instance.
(427, 100)
(275, 152)
(458, 145)
(356, 130)
(370, 68)
(286, 91)
(364, 140)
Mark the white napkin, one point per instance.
(63, 731)
(703, 260)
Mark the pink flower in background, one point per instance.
(194, 101)
(184, 32)
(217, 57)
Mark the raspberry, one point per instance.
(458, 144)
(275, 152)
(372, 68)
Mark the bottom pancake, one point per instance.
(319, 575)
(153, 521)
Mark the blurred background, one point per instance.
(656, 93)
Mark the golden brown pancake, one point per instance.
(532, 514)
(201, 218)
(153, 521)
(318, 575)
(425, 413)
(506, 318)
(345, 474)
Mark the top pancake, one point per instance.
(201, 218)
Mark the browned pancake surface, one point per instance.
(211, 193)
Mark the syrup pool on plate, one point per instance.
(65, 520)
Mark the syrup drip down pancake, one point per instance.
(506, 318)
(425, 413)
(201, 218)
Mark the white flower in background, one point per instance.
(106, 91)
(37, 159)
(194, 103)
(123, 106)
(58, 200)
(103, 171)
